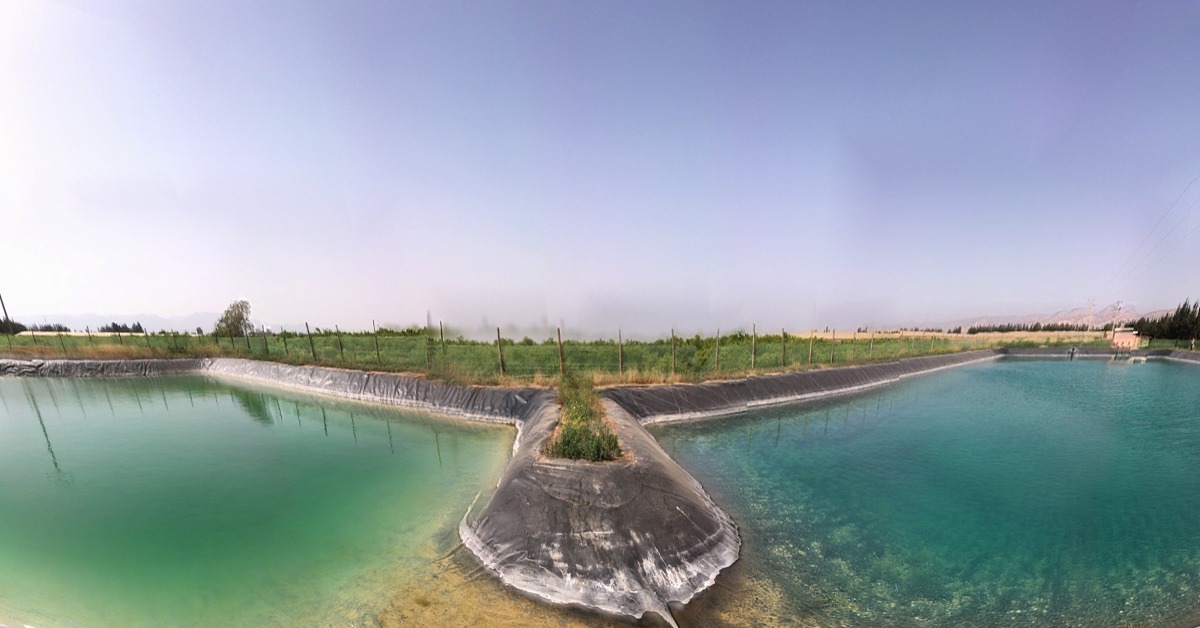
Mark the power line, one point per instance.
(1155, 227)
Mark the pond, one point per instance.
(1006, 493)
(190, 501)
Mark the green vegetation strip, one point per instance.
(582, 432)
(466, 361)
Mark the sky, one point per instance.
(597, 165)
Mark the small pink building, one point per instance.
(1126, 339)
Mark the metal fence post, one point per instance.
(311, 347)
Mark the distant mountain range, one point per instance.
(1117, 314)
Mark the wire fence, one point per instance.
(427, 352)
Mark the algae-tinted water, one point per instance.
(1012, 493)
(183, 501)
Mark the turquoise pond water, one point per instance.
(1013, 493)
(186, 501)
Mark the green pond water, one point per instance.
(1013, 493)
(187, 501)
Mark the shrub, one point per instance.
(582, 433)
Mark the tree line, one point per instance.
(1182, 324)
(9, 326)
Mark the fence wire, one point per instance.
(694, 357)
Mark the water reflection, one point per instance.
(255, 405)
(37, 410)
(148, 493)
(135, 397)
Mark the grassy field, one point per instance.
(687, 359)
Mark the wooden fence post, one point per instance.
(147, 336)
(341, 347)
(812, 335)
(311, 346)
(119, 340)
(442, 336)
(562, 365)
(266, 347)
(430, 349)
(718, 350)
(285, 347)
(500, 351)
(783, 336)
(753, 343)
(672, 352)
(375, 330)
(832, 346)
(871, 351)
(8, 321)
(62, 344)
(620, 354)
(246, 335)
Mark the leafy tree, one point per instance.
(235, 321)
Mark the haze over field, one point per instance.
(597, 165)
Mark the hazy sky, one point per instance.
(595, 164)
